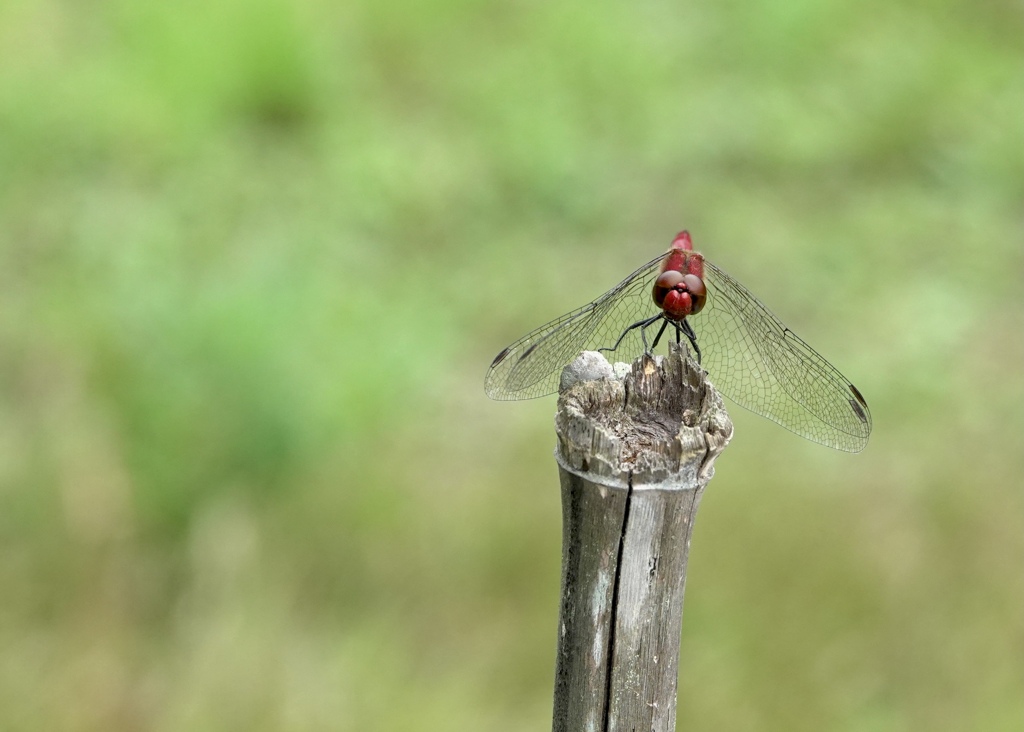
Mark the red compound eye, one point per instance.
(666, 281)
(699, 293)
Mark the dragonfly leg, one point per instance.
(664, 324)
(641, 324)
(687, 330)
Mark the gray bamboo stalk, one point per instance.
(636, 448)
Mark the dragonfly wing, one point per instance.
(529, 367)
(532, 366)
(760, 364)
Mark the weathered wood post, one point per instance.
(635, 451)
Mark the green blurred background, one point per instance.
(256, 256)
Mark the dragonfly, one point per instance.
(749, 354)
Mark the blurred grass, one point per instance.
(255, 257)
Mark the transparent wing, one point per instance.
(760, 364)
(532, 366)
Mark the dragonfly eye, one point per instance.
(666, 282)
(699, 293)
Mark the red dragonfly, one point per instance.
(750, 355)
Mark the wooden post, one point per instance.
(636, 448)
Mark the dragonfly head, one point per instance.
(679, 294)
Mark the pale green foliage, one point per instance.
(255, 258)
